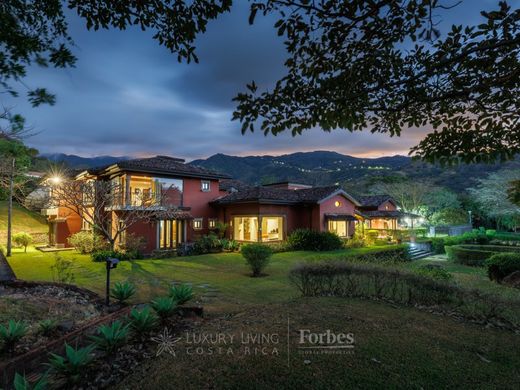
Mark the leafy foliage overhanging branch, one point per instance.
(380, 65)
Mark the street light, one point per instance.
(55, 180)
(470, 219)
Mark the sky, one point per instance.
(128, 96)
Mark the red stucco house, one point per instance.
(194, 199)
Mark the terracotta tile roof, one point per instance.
(161, 165)
(278, 195)
(384, 214)
(340, 217)
(231, 185)
(373, 200)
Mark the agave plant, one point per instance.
(111, 337)
(142, 321)
(71, 366)
(123, 291)
(47, 327)
(182, 293)
(22, 383)
(164, 307)
(12, 333)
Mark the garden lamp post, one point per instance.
(111, 263)
(470, 219)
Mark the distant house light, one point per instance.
(337, 203)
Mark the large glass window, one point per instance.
(170, 189)
(272, 228)
(338, 227)
(170, 233)
(245, 228)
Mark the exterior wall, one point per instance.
(328, 207)
(387, 206)
(198, 201)
(67, 224)
(147, 230)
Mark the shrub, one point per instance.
(475, 255)
(22, 239)
(22, 383)
(229, 245)
(207, 244)
(123, 291)
(87, 242)
(434, 271)
(501, 265)
(310, 240)
(355, 242)
(62, 270)
(142, 321)
(346, 279)
(103, 255)
(11, 334)
(437, 245)
(72, 366)
(47, 327)
(220, 229)
(181, 293)
(133, 246)
(390, 255)
(371, 236)
(164, 307)
(111, 337)
(257, 256)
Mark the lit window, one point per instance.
(245, 228)
(85, 225)
(197, 223)
(205, 185)
(338, 227)
(212, 223)
(272, 229)
(337, 203)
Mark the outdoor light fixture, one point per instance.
(111, 263)
(55, 179)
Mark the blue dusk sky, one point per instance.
(129, 96)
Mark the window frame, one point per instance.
(212, 223)
(202, 185)
(198, 220)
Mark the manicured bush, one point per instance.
(392, 254)
(23, 240)
(111, 337)
(165, 307)
(103, 255)
(11, 334)
(257, 256)
(501, 265)
(72, 366)
(87, 242)
(434, 271)
(341, 278)
(181, 293)
(437, 245)
(229, 245)
(371, 236)
(310, 240)
(475, 255)
(142, 321)
(123, 291)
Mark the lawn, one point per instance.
(395, 347)
(217, 278)
(23, 220)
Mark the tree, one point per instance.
(15, 159)
(23, 239)
(442, 207)
(410, 195)
(377, 65)
(492, 193)
(102, 204)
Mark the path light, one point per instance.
(56, 180)
(111, 263)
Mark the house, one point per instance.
(193, 199)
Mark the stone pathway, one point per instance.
(6, 273)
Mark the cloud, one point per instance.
(130, 96)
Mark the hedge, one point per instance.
(501, 265)
(475, 255)
(390, 253)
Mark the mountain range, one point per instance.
(321, 168)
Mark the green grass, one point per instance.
(223, 274)
(23, 220)
(395, 348)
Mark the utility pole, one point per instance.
(10, 208)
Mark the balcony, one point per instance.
(50, 212)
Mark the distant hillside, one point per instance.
(320, 168)
(325, 168)
(78, 162)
